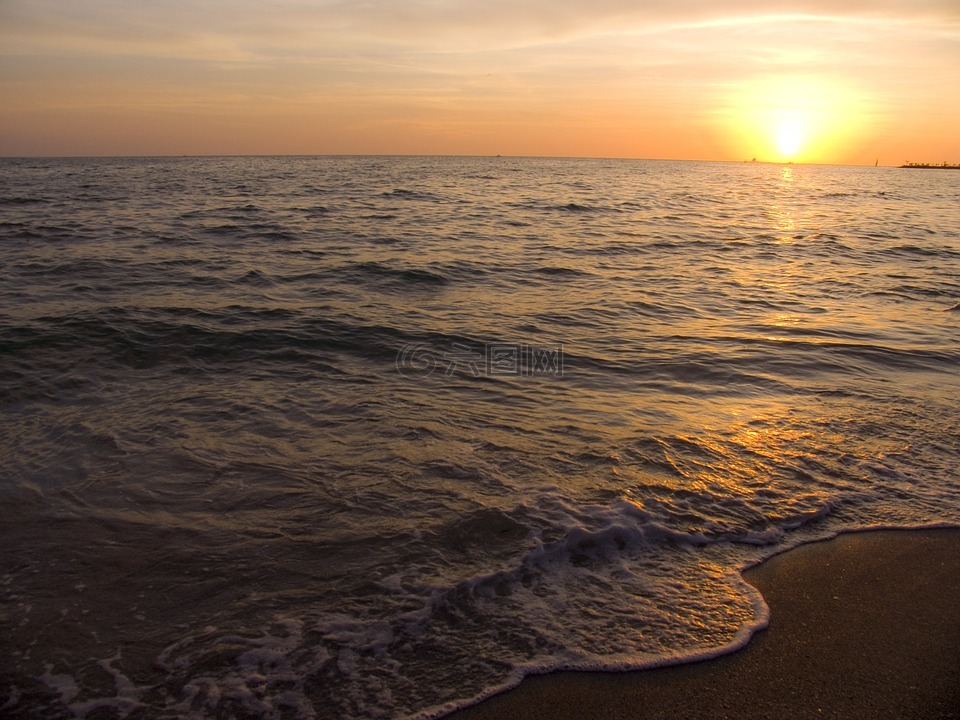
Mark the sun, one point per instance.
(790, 118)
(789, 134)
(794, 123)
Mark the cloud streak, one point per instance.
(278, 29)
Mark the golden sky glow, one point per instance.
(804, 81)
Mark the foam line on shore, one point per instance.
(914, 570)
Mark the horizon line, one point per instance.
(750, 161)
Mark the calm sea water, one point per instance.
(375, 437)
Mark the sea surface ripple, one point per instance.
(343, 437)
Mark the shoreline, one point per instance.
(866, 624)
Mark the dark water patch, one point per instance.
(561, 319)
(405, 194)
(278, 235)
(239, 213)
(696, 374)
(863, 357)
(765, 239)
(19, 231)
(318, 211)
(658, 246)
(880, 235)
(176, 262)
(799, 331)
(55, 233)
(578, 208)
(204, 282)
(463, 270)
(712, 378)
(917, 250)
(81, 267)
(200, 214)
(256, 278)
(22, 200)
(116, 336)
(232, 315)
(375, 272)
(614, 248)
(662, 311)
(182, 239)
(308, 253)
(225, 230)
(898, 359)
(563, 208)
(263, 231)
(850, 194)
(827, 239)
(560, 272)
(551, 248)
(270, 231)
(764, 303)
(486, 530)
(913, 291)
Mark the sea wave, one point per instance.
(343, 437)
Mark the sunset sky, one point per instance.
(834, 81)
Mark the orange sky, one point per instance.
(810, 81)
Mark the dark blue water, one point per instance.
(374, 437)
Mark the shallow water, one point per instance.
(374, 437)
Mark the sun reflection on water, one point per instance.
(782, 212)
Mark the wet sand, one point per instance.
(863, 626)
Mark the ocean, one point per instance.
(376, 437)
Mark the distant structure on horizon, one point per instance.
(930, 166)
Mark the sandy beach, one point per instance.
(863, 626)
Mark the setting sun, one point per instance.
(790, 135)
(791, 119)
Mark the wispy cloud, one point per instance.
(245, 30)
